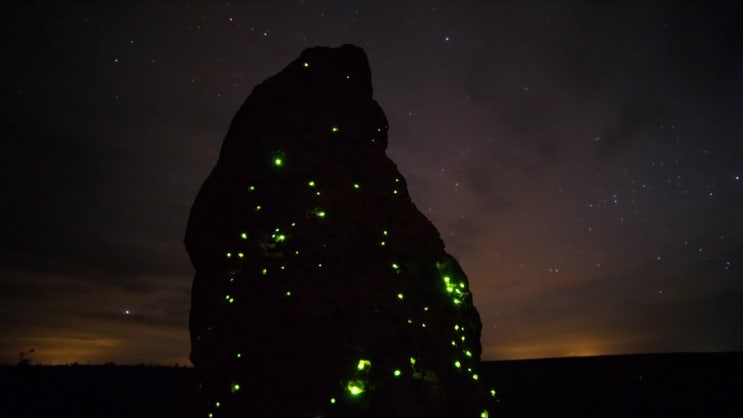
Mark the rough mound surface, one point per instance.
(320, 289)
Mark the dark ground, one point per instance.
(651, 385)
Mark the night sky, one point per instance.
(584, 163)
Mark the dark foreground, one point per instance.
(653, 385)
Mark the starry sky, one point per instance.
(583, 161)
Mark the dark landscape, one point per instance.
(643, 385)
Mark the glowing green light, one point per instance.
(288, 293)
(397, 373)
(320, 214)
(211, 415)
(278, 162)
(356, 186)
(264, 271)
(384, 232)
(395, 266)
(456, 327)
(363, 363)
(217, 404)
(382, 244)
(335, 129)
(423, 325)
(475, 377)
(492, 392)
(447, 279)
(241, 255)
(332, 400)
(239, 355)
(400, 296)
(235, 387)
(454, 343)
(397, 180)
(229, 255)
(410, 321)
(468, 353)
(257, 208)
(230, 300)
(355, 387)
(457, 364)
(484, 414)
(251, 188)
(425, 308)
(412, 361)
(306, 64)
(244, 235)
(394, 191)
(311, 183)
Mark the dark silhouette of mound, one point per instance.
(320, 289)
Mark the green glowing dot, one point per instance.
(264, 271)
(211, 415)
(229, 255)
(382, 244)
(239, 355)
(456, 327)
(425, 308)
(355, 387)
(235, 387)
(457, 364)
(454, 343)
(251, 188)
(332, 400)
(394, 191)
(257, 208)
(468, 353)
(217, 404)
(397, 180)
(492, 392)
(363, 363)
(384, 232)
(306, 64)
(335, 129)
(400, 296)
(293, 224)
(288, 293)
(320, 214)
(296, 252)
(244, 235)
(241, 255)
(423, 325)
(395, 266)
(412, 361)
(356, 186)
(446, 279)
(278, 162)
(484, 414)
(311, 183)
(232, 279)
(397, 373)
(410, 321)
(475, 377)
(282, 267)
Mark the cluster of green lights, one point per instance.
(358, 382)
(277, 236)
(455, 290)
